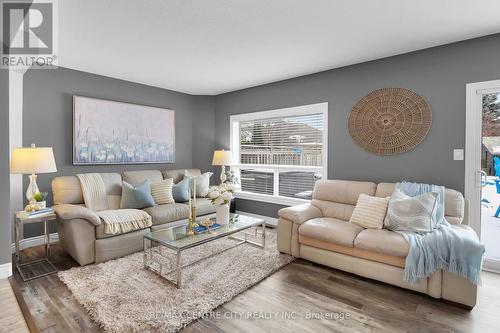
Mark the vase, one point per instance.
(41, 204)
(222, 214)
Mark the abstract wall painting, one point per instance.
(109, 132)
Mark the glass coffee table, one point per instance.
(169, 243)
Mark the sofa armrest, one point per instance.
(301, 213)
(69, 212)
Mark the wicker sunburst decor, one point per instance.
(390, 121)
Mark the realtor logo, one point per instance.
(28, 34)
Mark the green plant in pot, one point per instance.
(40, 198)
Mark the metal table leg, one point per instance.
(47, 238)
(263, 235)
(179, 277)
(18, 258)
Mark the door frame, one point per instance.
(473, 136)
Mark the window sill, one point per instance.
(270, 199)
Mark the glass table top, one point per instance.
(176, 237)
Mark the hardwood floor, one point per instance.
(11, 318)
(302, 297)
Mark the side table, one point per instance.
(21, 220)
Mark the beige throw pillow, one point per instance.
(162, 191)
(370, 211)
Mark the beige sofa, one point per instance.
(81, 231)
(320, 232)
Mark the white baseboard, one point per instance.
(34, 241)
(5, 270)
(491, 266)
(270, 221)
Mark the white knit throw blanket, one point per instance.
(116, 221)
(94, 191)
(120, 221)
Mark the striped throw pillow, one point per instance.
(162, 191)
(370, 211)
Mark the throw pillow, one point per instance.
(162, 191)
(370, 211)
(180, 191)
(415, 214)
(203, 184)
(137, 197)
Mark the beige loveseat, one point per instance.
(321, 232)
(81, 231)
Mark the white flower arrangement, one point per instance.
(222, 194)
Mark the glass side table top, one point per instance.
(176, 237)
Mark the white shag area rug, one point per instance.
(121, 296)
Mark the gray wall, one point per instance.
(438, 74)
(5, 230)
(204, 133)
(48, 120)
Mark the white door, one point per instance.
(482, 166)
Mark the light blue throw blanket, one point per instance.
(448, 247)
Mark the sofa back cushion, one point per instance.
(454, 203)
(178, 174)
(67, 190)
(113, 184)
(337, 198)
(342, 191)
(138, 177)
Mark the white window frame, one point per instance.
(321, 108)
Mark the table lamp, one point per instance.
(222, 158)
(30, 161)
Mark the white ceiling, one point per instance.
(215, 46)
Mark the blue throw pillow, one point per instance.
(180, 191)
(137, 197)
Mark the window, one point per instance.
(280, 154)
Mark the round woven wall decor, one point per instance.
(389, 121)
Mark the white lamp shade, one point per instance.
(222, 157)
(32, 160)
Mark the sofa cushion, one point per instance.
(369, 211)
(178, 174)
(382, 241)
(342, 191)
(334, 209)
(168, 213)
(113, 185)
(384, 189)
(354, 251)
(454, 205)
(204, 207)
(67, 190)
(137, 177)
(331, 230)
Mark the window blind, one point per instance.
(284, 155)
(294, 140)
